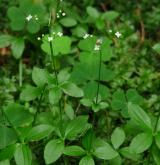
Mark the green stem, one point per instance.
(99, 75)
(39, 104)
(20, 72)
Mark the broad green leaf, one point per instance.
(60, 45)
(104, 151)
(72, 89)
(155, 153)
(87, 160)
(54, 95)
(88, 140)
(39, 132)
(5, 40)
(75, 127)
(17, 47)
(33, 26)
(8, 152)
(40, 76)
(117, 137)
(18, 115)
(53, 150)
(74, 151)
(30, 93)
(23, 155)
(69, 111)
(116, 161)
(7, 136)
(141, 142)
(4, 162)
(156, 47)
(157, 140)
(68, 22)
(92, 12)
(127, 152)
(110, 15)
(139, 116)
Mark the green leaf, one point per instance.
(128, 153)
(5, 40)
(72, 89)
(141, 142)
(156, 47)
(68, 22)
(54, 95)
(139, 116)
(110, 15)
(7, 153)
(69, 111)
(17, 47)
(74, 151)
(61, 45)
(40, 76)
(18, 115)
(104, 151)
(39, 132)
(92, 12)
(30, 93)
(7, 136)
(53, 150)
(33, 26)
(155, 153)
(117, 137)
(87, 160)
(157, 140)
(23, 155)
(5, 162)
(88, 140)
(75, 127)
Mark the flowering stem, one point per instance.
(20, 72)
(99, 75)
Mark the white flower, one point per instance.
(58, 15)
(60, 34)
(99, 41)
(86, 36)
(63, 14)
(50, 39)
(60, 11)
(97, 47)
(118, 34)
(29, 17)
(38, 38)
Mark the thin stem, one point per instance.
(156, 124)
(99, 75)
(20, 72)
(39, 104)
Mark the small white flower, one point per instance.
(97, 47)
(50, 39)
(91, 35)
(118, 34)
(58, 15)
(29, 17)
(110, 30)
(42, 35)
(38, 38)
(86, 36)
(60, 11)
(60, 34)
(63, 14)
(53, 33)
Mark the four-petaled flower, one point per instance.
(29, 17)
(118, 34)
(60, 34)
(50, 39)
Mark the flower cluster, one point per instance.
(87, 35)
(50, 38)
(117, 34)
(60, 13)
(30, 17)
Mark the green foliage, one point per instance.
(88, 90)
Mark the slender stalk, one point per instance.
(99, 75)
(156, 124)
(54, 64)
(20, 72)
(39, 104)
